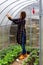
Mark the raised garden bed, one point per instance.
(9, 55)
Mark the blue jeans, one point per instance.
(23, 43)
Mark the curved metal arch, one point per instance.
(3, 2)
(7, 6)
(11, 9)
(20, 9)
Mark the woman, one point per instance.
(21, 32)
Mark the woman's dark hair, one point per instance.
(23, 14)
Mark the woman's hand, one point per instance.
(9, 16)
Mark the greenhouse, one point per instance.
(10, 50)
